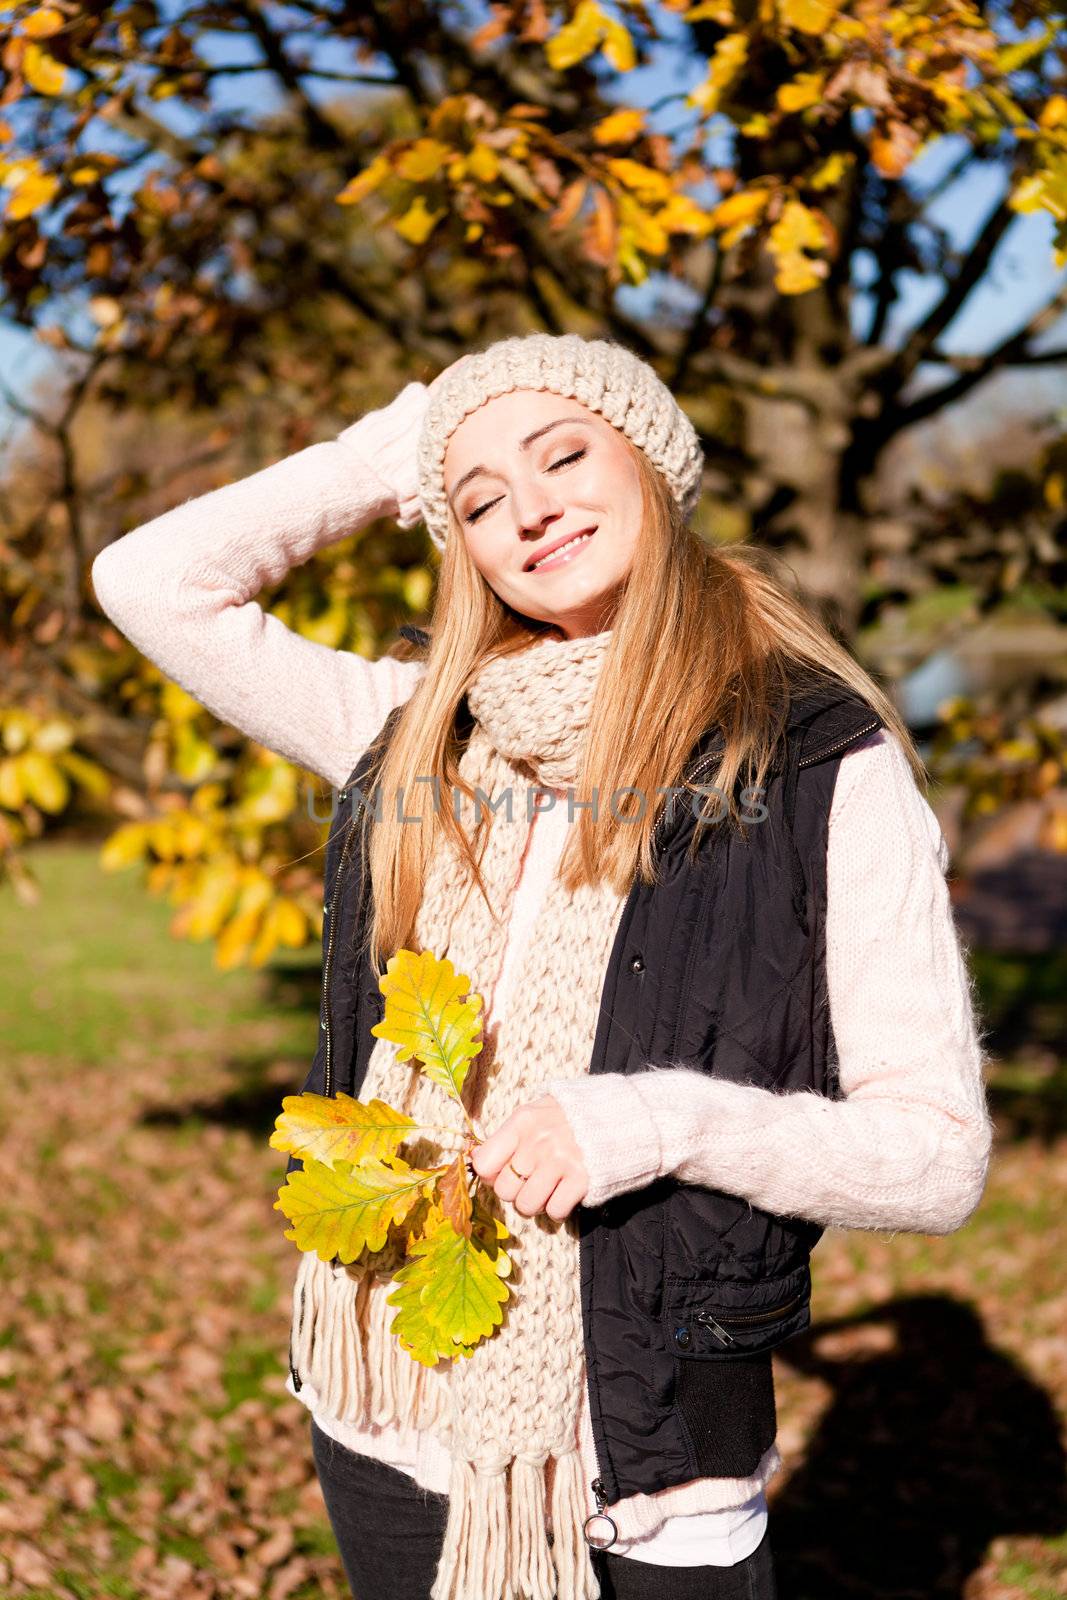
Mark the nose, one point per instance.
(536, 509)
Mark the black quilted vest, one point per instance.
(719, 966)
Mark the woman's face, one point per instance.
(529, 470)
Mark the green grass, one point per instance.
(95, 959)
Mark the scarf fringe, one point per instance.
(496, 1541)
(342, 1345)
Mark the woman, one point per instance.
(711, 1027)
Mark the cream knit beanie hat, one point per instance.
(600, 374)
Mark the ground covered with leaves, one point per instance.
(149, 1446)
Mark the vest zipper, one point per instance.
(806, 761)
(331, 911)
(705, 761)
(600, 1496)
(849, 738)
(741, 1318)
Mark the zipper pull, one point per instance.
(717, 1329)
(597, 1538)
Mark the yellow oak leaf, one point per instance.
(32, 191)
(451, 1293)
(577, 38)
(41, 24)
(329, 1129)
(647, 182)
(739, 212)
(342, 1210)
(423, 160)
(807, 16)
(365, 182)
(620, 127)
(730, 56)
(797, 230)
(42, 71)
(418, 223)
(425, 1017)
(804, 90)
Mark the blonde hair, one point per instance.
(709, 635)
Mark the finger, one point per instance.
(533, 1194)
(493, 1153)
(508, 1183)
(565, 1197)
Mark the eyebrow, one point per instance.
(524, 444)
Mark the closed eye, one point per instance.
(564, 461)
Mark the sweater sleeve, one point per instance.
(909, 1145)
(181, 588)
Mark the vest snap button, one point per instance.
(682, 1337)
(637, 965)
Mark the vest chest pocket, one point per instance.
(722, 1319)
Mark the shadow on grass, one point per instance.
(928, 1451)
(252, 1104)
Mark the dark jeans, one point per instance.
(389, 1532)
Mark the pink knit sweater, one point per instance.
(909, 1146)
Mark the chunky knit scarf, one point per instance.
(508, 1413)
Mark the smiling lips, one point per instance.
(564, 553)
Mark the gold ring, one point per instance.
(518, 1174)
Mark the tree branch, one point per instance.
(1010, 352)
(970, 274)
(321, 133)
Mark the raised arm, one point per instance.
(908, 1148)
(181, 589)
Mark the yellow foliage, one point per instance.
(342, 1211)
(42, 781)
(1054, 112)
(125, 846)
(425, 1017)
(830, 173)
(797, 230)
(356, 1189)
(649, 183)
(805, 90)
(807, 16)
(620, 127)
(284, 923)
(683, 215)
(32, 188)
(618, 45)
(42, 71)
(720, 11)
(365, 182)
(417, 223)
(451, 1293)
(330, 1128)
(423, 160)
(483, 162)
(584, 33)
(17, 729)
(1043, 191)
(730, 56)
(577, 38)
(41, 24)
(739, 212)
